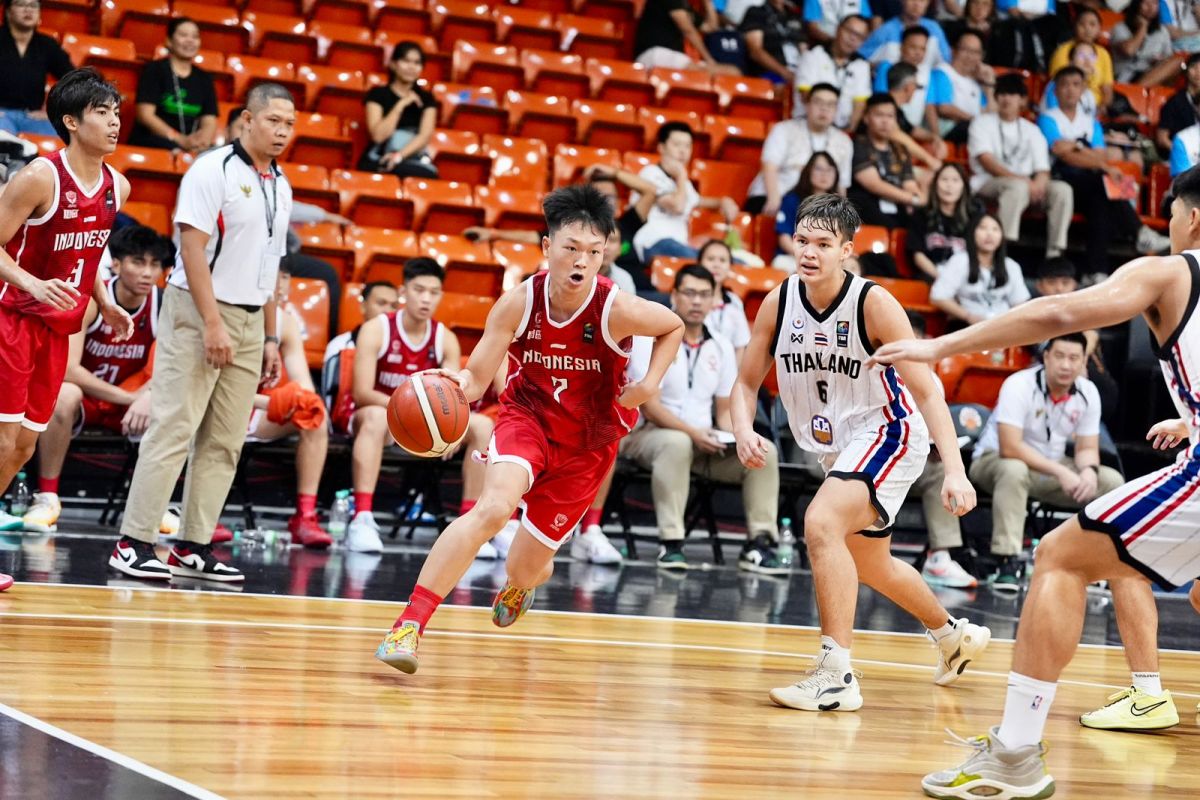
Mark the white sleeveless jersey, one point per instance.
(1179, 357)
(830, 394)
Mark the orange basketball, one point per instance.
(427, 414)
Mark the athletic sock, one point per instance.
(1025, 710)
(1148, 682)
(945, 630)
(363, 501)
(48, 485)
(465, 506)
(833, 655)
(306, 505)
(593, 516)
(421, 605)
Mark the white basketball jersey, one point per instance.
(829, 393)
(1179, 357)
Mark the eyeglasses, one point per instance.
(695, 294)
(25, 4)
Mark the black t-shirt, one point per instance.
(774, 32)
(24, 77)
(410, 117)
(657, 29)
(893, 164)
(628, 224)
(939, 237)
(180, 102)
(1177, 113)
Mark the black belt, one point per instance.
(247, 309)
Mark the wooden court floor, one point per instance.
(274, 696)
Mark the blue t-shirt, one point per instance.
(1053, 126)
(1008, 5)
(892, 31)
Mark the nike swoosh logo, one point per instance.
(1138, 711)
(128, 556)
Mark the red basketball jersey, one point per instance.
(112, 361)
(399, 358)
(65, 243)
(569, 374)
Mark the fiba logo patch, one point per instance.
(798, 323)
(842, 331)
(822, 430)
(559, 521)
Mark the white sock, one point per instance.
(1148, 682)
(833, 655)
(1025, 710)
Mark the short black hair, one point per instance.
(880, 99)
(1068, 71)
(402, 50)
(1087, 10)
(581, 203)
(132, 241)
(899, 74)
(75, 93)
(1011, 83)
(824, 87)
(858, 17)
(913, 30)
(1057, 267)
(1076, 338)
(667, 128)
(176, 22)
(421, 267)
(1192, 59)
(964, 34)
(1185, 187)
(372, 286)
(829, 212)
(695, 271)
(234, 113)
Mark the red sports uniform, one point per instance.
(560, 419)
(65, 243)
(116, 362)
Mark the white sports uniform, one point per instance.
(862, 421)
(1154, 521)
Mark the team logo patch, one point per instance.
(71, 197)
(820, 339)
(589, 333)
(970, 419)
(559, 521)
(843, 333)
(109, 199)
(822, 430)
(798, 323)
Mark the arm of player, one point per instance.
(28, 195)
(1167, 434)
(633, 316)
(370, 339)
(743, 400)
(491, 351)
(117, 318)
(887, 322)
(1131, 290)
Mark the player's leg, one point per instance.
(52, 454)
(17, 443)
(370, 431)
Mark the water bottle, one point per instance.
(339, 515)
(787, 543)
(21, 497)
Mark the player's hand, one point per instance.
(752, 450)
(271, 364)
(218, 347)
(958, 495)
(923, 350)
(460, 376)
(137, 417)
(707, 441)
(1087, 487)
(634, 394)
(1167, 434)
(118, 319)
(55, 293)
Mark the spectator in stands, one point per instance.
(884, 43)
(939, 230)
(820, 175)
(915, 111)
(1180, 111)
(108, 382)
(902, 87)
(1083, 56)
(1142, 46)
(821, 17)
(728, 315)
(962, 89)
(790, 145)
(176, 100)
(1185, 149)
(665, 232)
(1080, 158)
(1010, 163)
(1087, 31)
(400, 118)
(1021, 453)
(883, 186)
(770, 47)
(662, 30)
(978, 16)
(1183, 23)
(26, 58)
(839, 65)
(983, 281)
(609, 269)
(687, 427)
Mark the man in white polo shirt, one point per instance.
(1022, 450)
(687, 428)
(216, 339)
(838, 64)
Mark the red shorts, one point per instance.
(95, 413)
(563, 480)
(33, 361)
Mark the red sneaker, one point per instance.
(222, 534)
(5, 581)
(308, 532)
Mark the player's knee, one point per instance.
(70, 397)
(490, 514)
(23, 449)
(1053, 554)
(822, 527)
(479, 430)
(372, 419)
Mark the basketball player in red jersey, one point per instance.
(567, 334)
(55, 219)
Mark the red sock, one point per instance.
(48, 485)
(363, 501)
(421, 605)
(306, 505)
(593, 516)
(465, 506)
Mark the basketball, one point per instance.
(427, 414)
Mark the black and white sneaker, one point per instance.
(191, 560)
(137, 558)
(759, 556)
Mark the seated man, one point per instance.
(839, 65)
(107, 383)
(1021, 453)
(679, 436)
(961, 90)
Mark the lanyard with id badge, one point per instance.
(268, 270)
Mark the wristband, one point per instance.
(269, 339)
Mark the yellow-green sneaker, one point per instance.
(994, 770)
(1133, 710)
(511, 604)
(399, 648)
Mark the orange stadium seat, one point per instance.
(83, 48)
(153, 215)
(469, 108)
(470, 267)
(684, 90)
(350, 314)
(723, 178)
(491, 65)
(220, 28)
(1137, 97)
(309, 301)
(310, 184)
(152, 173)
(1156, 99)
(281, 37)
(406, 16)
(465, 314)
(75, 17)
(116, 59)
(622, 12)
(750, 98)
(539, 116)
(462, 19)
(977, 377)
(553, 6)
(248, 71)
(708, 223)
(620, 81)
(45, 144)
(526, 27)
(603, 124)
(1160, 184)
(663, 269)
(380, 253)
(442, 206)
(912, 294)
(570, 160)
(459, 157)
(346, 46)
(291, 7)
(142, 22)
(871, 239)
(355, 13)
(637, 161)
(555, 73)
(518, 260)
(510, 209)
(898, 245)
(590, 37)
(319, 141)
(654, 118)
(372, 198)
(324, 240)
(735, 139)
(753, 284)
(338, 92)
(517, 163)
(214, 63)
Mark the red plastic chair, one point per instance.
(310, 184)
(517, 163)
(459, 156)
(620, 81)
(684, 90)
(333, 91)
(526, 27)
(142, 22)
(346, 12)
(470, 108)
(479, 64)
(538, 116)
(404, 16)
(373, 247)
(654, 118)
(591, 37)
(555, 73)
(510, 209)
(221, 28)
(735, 139)
(750, 98)
(723, 178)
(613, 125)
(442, 206)
(372, 198)
(280, 37)
(318, 140)
(462, 19)
(570, 160)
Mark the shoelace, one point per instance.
(512, 597)
(974, 742)
(1117, 697)
(813, 677)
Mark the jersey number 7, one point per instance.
(560, 386)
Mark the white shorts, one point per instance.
(888, 460)
(1154, 522)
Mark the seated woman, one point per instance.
(939, 230)
(819, 176)
(982, 281)
(1143, 52)
(176, 100)
(400, 119)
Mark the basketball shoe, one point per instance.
(958, 648)
(994, 771)
(592, 546)
(362, 534)
(942, 570)
(5, 581)
(1133, 710)
(511, 604)
(10, 523)
(399, 648)
(42, 516)
(306, 530)
(191, 560)
(137, 558)
(824, 688)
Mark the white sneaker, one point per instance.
(958, 649)
(942, 570)
(594, 547)
(487, 552)
(502, 541)
(42, 516)
(822, 689)
(362, 534)
(1150, 241)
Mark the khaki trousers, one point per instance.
(944, 530)
(198, 414)
(1011, 483)
(1012, 198)
(672, 457)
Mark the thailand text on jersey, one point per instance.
(112, 361)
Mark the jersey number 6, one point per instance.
(823, 391)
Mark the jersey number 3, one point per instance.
(560, 386)
(76, 274)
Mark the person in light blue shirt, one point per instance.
(884, 43)
(821, 17)
(1028, 8)
(1185, 150)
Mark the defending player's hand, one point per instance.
(1167, 434)
(119, 320)
(958, 495)
(55, 293)
(752, 451)
(634, 394)
(218, 347)
(924, 350)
